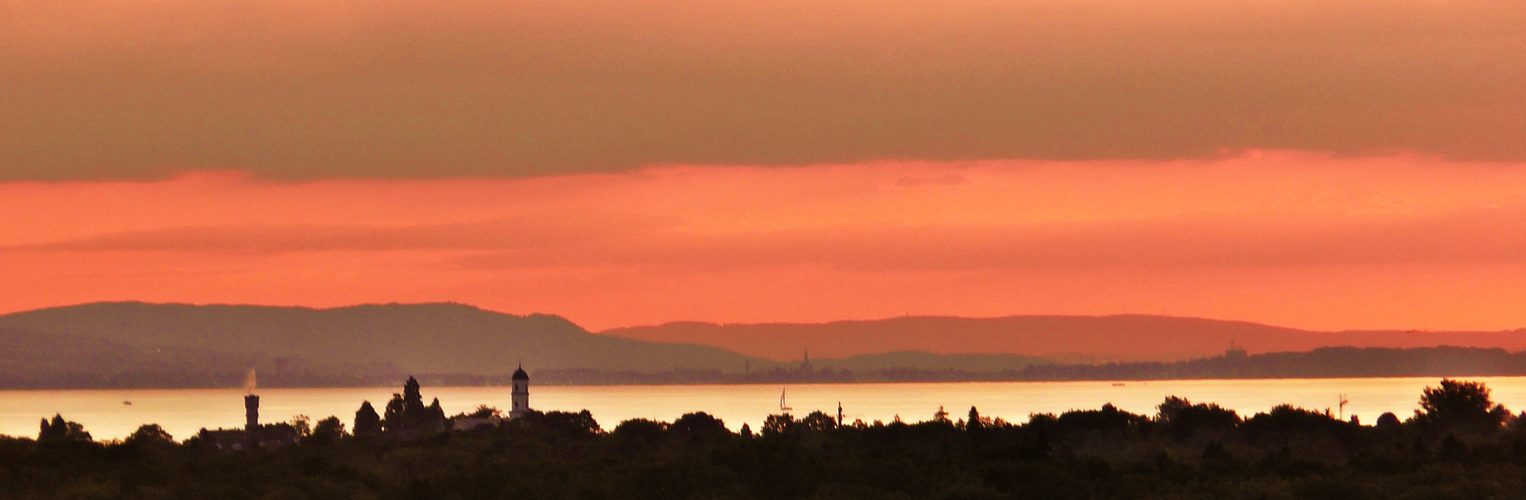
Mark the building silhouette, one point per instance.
(520, 393)
(254, 435)
(1235, 351)
(252, 412)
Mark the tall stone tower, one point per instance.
(252, 412)
(521, 393)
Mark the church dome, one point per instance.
(521, 375)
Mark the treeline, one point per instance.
(1331, 362)
(1327, 362)
(1460, 445)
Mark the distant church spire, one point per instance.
(1234, 351)
(520, 392)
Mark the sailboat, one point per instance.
(782, 405)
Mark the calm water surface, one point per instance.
(183, 411)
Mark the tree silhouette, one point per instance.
(413, 401)
(367, 422)
(580, 424)
(435, 415)
(776, 425)
(149, 434)
(303, 424)
(1460, 404)
(394, 417)
(974, 421)
(818, 421)
(1182, 418)
(640, 430)
(407, 412)
(1169, 408)
(328, 430)
(60, 430)
(698, 424)
(1108, 418)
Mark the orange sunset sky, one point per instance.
(1326, 165)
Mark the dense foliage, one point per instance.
(1460, 445)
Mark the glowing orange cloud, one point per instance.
(1298, 239)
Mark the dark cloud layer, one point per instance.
(131, 89)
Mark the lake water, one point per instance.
(183, 411)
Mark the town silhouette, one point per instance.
(413, 450)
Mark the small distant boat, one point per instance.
(782, 405)
(128, 403)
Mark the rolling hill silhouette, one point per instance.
(425, 338)
(109, 344)
(1059, 338)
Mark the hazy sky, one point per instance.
(323, 88)
(1308, 163)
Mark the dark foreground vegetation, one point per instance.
(1460, 445)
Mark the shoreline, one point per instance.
(792, 384)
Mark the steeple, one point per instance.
(520, 394)
(1234, 351)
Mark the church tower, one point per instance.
(521, 393)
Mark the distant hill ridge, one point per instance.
(449, 338)
(1059, 338)
(426, 338)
